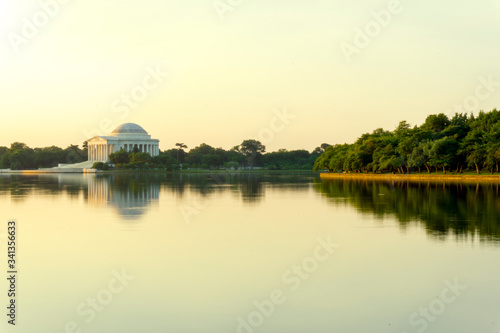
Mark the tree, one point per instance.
(417, 158)
(139, 157)
(436, 123)
(324, 146)
(443, 152)
(5, 160)
(439, 142)
(18, 146)
(21, 156)
(199, 156)
(119, 157)
(252, 150)
(181, 147)
(165, 160)
(475, 155)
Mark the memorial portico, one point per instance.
(127, 137)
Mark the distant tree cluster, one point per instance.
(462, 142)
(137, 160)
(21, 157)
(249, 154)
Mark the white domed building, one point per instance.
(127, 137)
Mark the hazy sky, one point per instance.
(227, 68)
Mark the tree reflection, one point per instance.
(462, 209)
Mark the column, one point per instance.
(107, 151)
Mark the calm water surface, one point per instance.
(251, 253)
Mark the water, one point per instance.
(251, 253)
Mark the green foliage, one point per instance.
(231, 165)
(251, 153)
(439, 143)
(5, 161)
(140, 157)
(101, 166)
(98, 165)
(16, 166)
(252, 150)
(22, 157)
(120, 157)
(166, 161)
(287, 160)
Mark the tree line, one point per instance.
(464, 142)
(21, 157)
(248, 154)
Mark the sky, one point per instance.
(291, 73)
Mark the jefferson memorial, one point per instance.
(127, 137)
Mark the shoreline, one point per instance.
(43, 171)
(413, 177)
(124, 171)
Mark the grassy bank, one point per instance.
(464, 177)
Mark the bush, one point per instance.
(16, 166)
(98, 165)
(231, 165)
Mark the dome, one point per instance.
(129, 128)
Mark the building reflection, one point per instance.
(131, 196)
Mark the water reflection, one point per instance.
(133, 194)
(129, 196)
(462, 209)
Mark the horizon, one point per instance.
(469, 115)
(211, 72)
